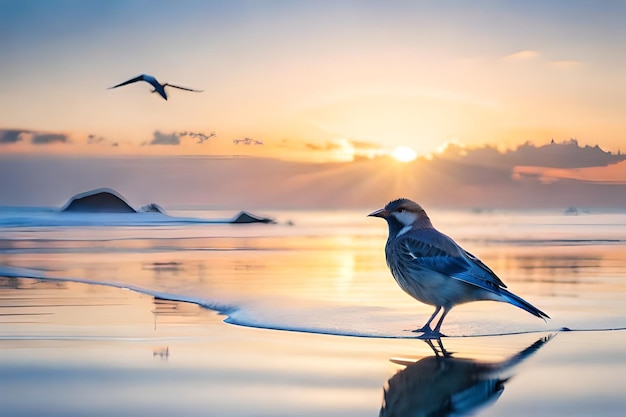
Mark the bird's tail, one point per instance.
(523, 304)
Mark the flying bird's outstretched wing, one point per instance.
(141, 77)
(182, 88)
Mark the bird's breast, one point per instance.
(415, 280)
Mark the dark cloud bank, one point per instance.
(8, 136)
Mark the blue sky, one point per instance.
(294, 73)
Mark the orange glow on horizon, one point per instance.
(613, 174)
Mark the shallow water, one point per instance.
(325, 272)
(312, 273)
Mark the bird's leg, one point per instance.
(444, 352)
(440, 350)
(437, 329)
(429, 342)
(426, 328)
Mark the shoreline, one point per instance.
(120, 352)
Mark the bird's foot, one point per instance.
(425, 329)
(428, 333)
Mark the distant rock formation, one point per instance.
(152, 208)
(573, 211)
(105, 200)
(245, 217)
(102, 200)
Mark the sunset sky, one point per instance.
(313, 80)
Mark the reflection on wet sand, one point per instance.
(12, 283)
(170, 311)
(442, 385)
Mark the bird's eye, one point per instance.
(401, 210)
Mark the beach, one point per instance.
(302, 318)
(196, 199)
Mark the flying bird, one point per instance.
(434, 269)
(158, 87)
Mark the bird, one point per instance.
(158, 87)
(434, 269)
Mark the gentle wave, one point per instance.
(338, 320)
(13, 272)
(73, 220)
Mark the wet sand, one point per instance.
(71, 349)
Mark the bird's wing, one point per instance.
(477, 262)
(439, 253)
(182, 88)
(132, 80)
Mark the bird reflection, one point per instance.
(442, 385)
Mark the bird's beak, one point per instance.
(378, 213)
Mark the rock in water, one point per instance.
(102, 200)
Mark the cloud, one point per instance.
(529, 54)
(46, 138)
(333, 145)
(565, 155)
(364, 146)
(283, 184)
(348, 150)
(93, 139)
(36, 138)
(328, 146)
(522, 55)
(11, 135)
(163, 139)
(610, 174)
(200, 136)
(101, 140)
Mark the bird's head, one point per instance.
(402, 213)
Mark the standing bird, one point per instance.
(158, 87)
(434, 269)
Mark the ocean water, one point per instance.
(302, 317)
(324, 272)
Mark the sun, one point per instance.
(403, 154)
